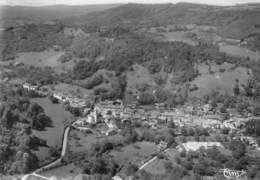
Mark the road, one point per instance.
(151, 160)
(58, 161)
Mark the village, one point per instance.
(155, 117)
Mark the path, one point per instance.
(58, 161)
(151, 160)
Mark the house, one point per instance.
(195, 145)
(117, 177)
(59, 96)
(77, 102)
(109, 109)
(30, 87)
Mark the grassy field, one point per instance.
(178, 36)
(157, 166)
(72, 89)
(136, 153)
(52, 135)
(40, 59)
(239, 51)
(65, 171)
(220, 81)
(81, 142)
(138, 77)
(45, 58)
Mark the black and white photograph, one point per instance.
(129, 89)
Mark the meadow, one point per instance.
(52, 135)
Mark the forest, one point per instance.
(18, 117)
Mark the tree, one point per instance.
(256, 111)
(146, 99)
(238, 148)
(168, 166)
(223, 109)
(171, 124)
(236, 90)
(253, 127)
(130, 169)
(53, 99)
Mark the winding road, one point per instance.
(58, 161)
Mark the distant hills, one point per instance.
(13, 15)
(238, 22)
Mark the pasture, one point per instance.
(157, 166)
(52, 135)
(239, 51)
(178, 36)
(40, 59)
(81, 141)
(221, 81)
(137, 153)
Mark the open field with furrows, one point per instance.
(53, 135)
(137, 153)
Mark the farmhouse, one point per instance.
(30, 87)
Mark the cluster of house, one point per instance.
(35, 88)
(236, 123)
(250, 141)
(74, 101)
(106, 111)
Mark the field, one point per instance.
(138, 77)
(157, 166)
(221, 81)
(65, 171)
(40, 59)
(136, 153)
(81, 141)
(72, 89)
(239, 51)
(45, 58)
(178, 36)
(52, 135)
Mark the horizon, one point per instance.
(44, 3)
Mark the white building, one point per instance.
(195, 145)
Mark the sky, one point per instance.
(80, 2)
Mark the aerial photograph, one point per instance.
(129, 89)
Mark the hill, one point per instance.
(13, 15)
(238, 22)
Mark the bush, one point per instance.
(146, 99)
(53, 99)
(94, 82)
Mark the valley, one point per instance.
(144, 91)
